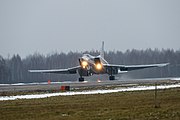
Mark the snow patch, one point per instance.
(175, 79)
(36, 83)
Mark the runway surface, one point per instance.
(43, 86)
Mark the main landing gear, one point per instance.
(111, 71)
(111, 77)
(81, 79)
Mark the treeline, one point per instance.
(15, 69)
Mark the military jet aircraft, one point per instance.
(90, 65)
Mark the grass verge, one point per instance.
(138, 105)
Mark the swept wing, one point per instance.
(72, 70)
(134, 67)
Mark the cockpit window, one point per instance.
(88, 55)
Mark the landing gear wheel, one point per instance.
(111, 77)
(81, 79)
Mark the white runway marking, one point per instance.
(137, 88)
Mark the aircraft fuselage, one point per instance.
(93, 64)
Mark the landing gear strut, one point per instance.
(81, 79)
(111, 77)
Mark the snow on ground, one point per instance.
(36, 83)
(175, 79)
(135, 88)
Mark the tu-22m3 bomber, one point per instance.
(90, 65)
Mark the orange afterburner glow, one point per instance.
(84, 64)
(98, 66)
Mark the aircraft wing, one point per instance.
(134, 67)
(72, 70)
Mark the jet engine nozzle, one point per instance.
(83, 63)
(99, 66)
(98, 63)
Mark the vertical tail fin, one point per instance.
(102, 50)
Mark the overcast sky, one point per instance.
(46, 26)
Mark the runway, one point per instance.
(44, 86)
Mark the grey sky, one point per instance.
(28, 26)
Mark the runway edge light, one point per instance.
(49, 81)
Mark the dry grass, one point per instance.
(115, 106)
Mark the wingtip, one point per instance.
(164, 64)
(32, 71)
